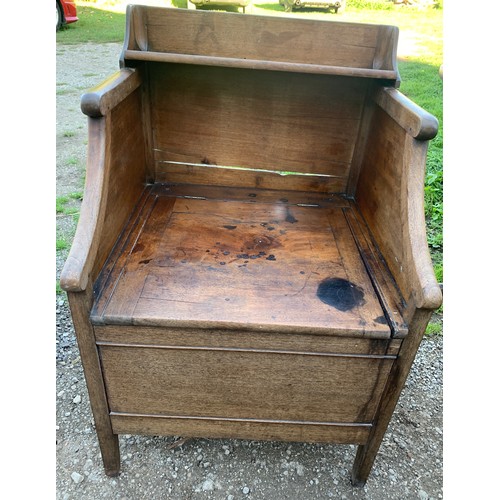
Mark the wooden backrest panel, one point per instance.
(260, 38)
(254, 128)
(256, 101)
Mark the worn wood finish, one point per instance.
(218, 264)
(251, 259)
(243, 383)
(416, 121)
(114, 180)
(270, 341)
(254, 129)
(388, 293)
(258, 40)
(107, 95)
(135, 56)
(366, 454)
(80, 304)
(249, 195)
(389, 197)
(276, 430)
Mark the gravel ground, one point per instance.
(410, 460)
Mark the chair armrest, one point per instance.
(107, 95)
(390, 194)
(416, 121)
(76, 270)
(115, 177)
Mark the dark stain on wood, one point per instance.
(262, 242)
(138, 248)
(381, 320)
(289, 217)
(230, 227)
(340, 293)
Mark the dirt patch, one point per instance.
(409, 463)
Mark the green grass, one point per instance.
(102, 22)
(65, 205)
(94, 25)
(434, 329)
(62, 244)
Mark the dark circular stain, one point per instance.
(340, 293)
(381, 320)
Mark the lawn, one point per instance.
(420, 56)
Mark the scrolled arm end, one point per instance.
(99, 100)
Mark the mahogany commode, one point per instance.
(251, 257)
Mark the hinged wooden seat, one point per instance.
(251, 258)
(198, 257)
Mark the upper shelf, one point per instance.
(260, 42)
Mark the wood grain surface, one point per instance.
(254, 128)
(214, 263)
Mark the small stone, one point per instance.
(423, 495)
(77, 399)
(230, 497)
(300, 470)
(208, 485)
(77, 478)
(246, 490)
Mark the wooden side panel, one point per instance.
(243, 384)
(390, 197)
(260, 37)
(273, 130)
(390, 297)
(383, 173)
(125, 160)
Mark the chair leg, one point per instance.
(366, 454)
(110, 453)
(363, 463)
(80, 304)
